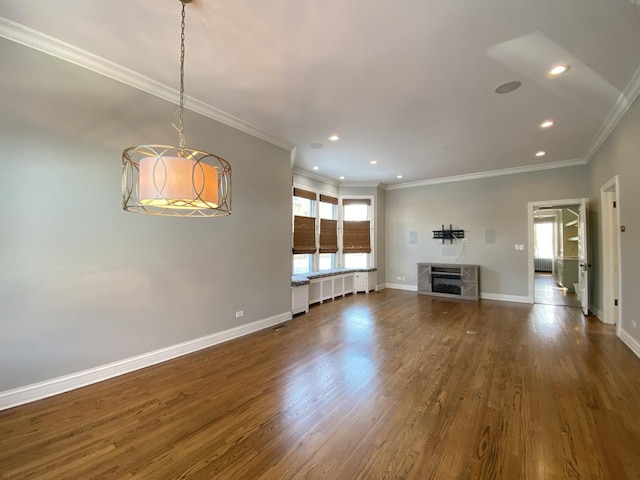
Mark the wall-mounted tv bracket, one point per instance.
(449, 234)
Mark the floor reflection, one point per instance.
(548, 292)
(347, 368)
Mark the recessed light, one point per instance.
(559, 69)
(316, 168)
(541, 153)
(334, 138)
(373, 162)
(341, 177)
(508, 87)
(547, 124)
(398, 176)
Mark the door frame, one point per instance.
(610, 226)
(531, 206)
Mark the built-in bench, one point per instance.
(316, 287)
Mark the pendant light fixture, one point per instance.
(176, 181)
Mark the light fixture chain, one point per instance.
(181, 114)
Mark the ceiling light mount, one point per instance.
(508, 87)
(559, 69)
(176, 181)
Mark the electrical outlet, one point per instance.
(404, 278)
(398, 278)
(240, 313)
(633, 323)
(465, 240)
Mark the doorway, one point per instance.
(558, 270)
(609, 197)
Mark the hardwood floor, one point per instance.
(382, 386)
(548, 291)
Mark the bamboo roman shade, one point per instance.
(304, 228)
(328, 236)
(304, 234)
(356, 236)
(298, 192)
(328, 199)
(356, 201)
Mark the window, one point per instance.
(304, 230)
(543, 240)
(302, 263)
(318, 232)
(328, 232)
(356, 233)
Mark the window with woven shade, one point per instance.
(304, 221)
(356, 236)
(328, 224)
(356, 227)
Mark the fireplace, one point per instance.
(446, 280)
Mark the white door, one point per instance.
(583, 257)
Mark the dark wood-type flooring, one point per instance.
(382, 386)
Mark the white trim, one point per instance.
(530, 208)
(630, 342)
(596, 313)
(400, 286)
(610, 191)
(490, 173)
(55, 386)
(505, 298)
(484, 296)
(382, 286)
(314, 176)
(56, 48)
(625, 100)
(359, 184)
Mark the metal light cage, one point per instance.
(176, 181)
(196, 202)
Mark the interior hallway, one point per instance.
(548, 292)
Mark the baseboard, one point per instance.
(382, 286)
(400, 286)
(505, 298)
(486, 296)
(630, 342)
(597, 312)
(55, 386)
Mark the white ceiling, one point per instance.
(409, 83)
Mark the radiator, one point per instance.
(543, 264)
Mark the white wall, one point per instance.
(484, 208)
(83, 283)
(620, 155)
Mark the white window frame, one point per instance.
(339, 259)
(371, 263)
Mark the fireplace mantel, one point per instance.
(449, 280)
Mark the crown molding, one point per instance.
(625, 100)
(490, 173)
(36, 40)
(314, 176)
(360, 184)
